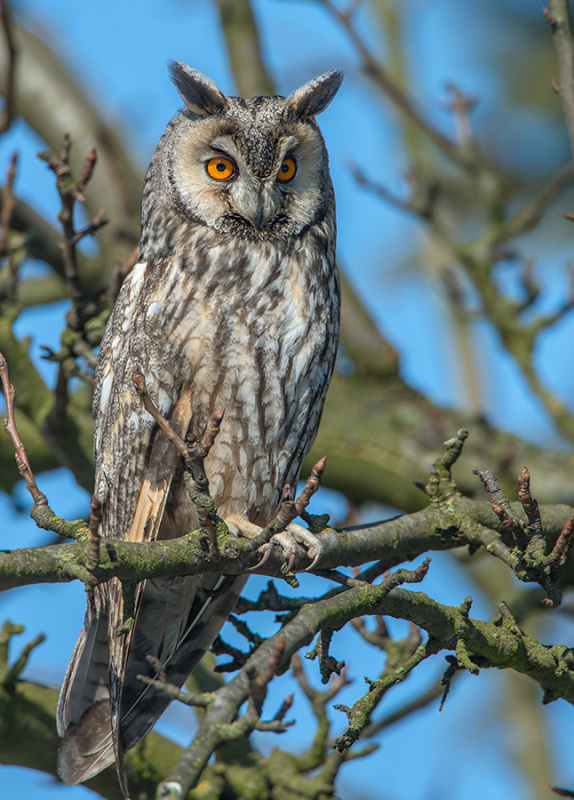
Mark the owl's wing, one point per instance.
(104, 708)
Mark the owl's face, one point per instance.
(253, 168)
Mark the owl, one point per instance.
(234, 303)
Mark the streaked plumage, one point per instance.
(234, 303)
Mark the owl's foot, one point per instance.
(293, 536)
(288, 540)
(282, 531)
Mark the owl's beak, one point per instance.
(254, 209)
(258, 219)
(258, 207)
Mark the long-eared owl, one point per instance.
(234, 303)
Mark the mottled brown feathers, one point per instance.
(234, 304)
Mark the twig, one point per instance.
(6, 212)
(289, 510)
(502, 508)
(375, 70)
(9, 674)
(312, 483)
(98, 222)
(221, 648)
(530, 506)
(7, 113)
(284, 708)
(359, 715)
(327, 664)
(95, 521)
(557, 558)
(119, 273)
(559, 20)
(418, 703)
(270, 600)
(441, 485)
(174, 438)
(338, 577)
(453, 668)
(70, 192)
(243, 628)
(562, 792)
(21, 456)
(163, 686)
(461, 105)
(194, 452)
(529, 560)
(196, 482)
(258, 682)
(492, 487)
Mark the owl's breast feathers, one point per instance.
(251, 328)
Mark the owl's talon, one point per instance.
(264, 559)
(312, 564)
(290, 563)
(294, 536)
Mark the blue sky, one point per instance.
(120, 51)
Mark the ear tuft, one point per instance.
(199, 93)
(313, 97)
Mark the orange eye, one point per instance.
(220, 168)
(286, 170)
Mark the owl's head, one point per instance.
(254, 168)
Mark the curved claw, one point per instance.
(309, 541)
(290, 563)
(263, 560)
(315, 559)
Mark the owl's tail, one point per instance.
(176, 623)
(84, 719)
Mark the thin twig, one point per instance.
(95, 521)
(558, 18)
(338, 577)
(68, 192)
(461, 105)
(529, 505)
(562, 792)
(312, 484)
(174, 438)
(6, 212)
(98, 222)
(119, 273)
(501, 507)
(557, 558)
(375, 70)
(289, 509)
(7, 113)
(194, 452)
(21, 456)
